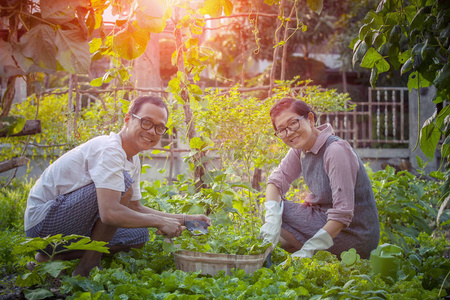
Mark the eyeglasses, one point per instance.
(146, 124)
(293, 125)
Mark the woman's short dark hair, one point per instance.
(137, 103)
(297, 106)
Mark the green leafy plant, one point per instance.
(402, 200)
(52, 268)
(413, 37)
(224, 240)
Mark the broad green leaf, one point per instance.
(350, 257)
(212, 8)
(239, 206)
(363, 31)
(393, 55)
(382, 66)
(371, 58)
(53, 268)
(195, 89)
(90, 21)
(373, 77)
(445, 151)
(154, 8)
(438, 174)
(227, 7)
(152, 15)
(418, 20)
(442, 80)
(359, 53)
(39, 45)
(169, 247)
(379, 39)
(30, 245)
(441, 119)
(28, 279)
(395, 34)
(419, 162)
(405, 56)
(354, 42)
(14, 124)
(406, 66)
(61, 11)
(95, 44)
(196, 209)
(87, 244)
(73, 51)
(131, 42)
(196, 143)
(416, 80)
(98, 3)
(155, 25)
(429, 137)
(315, 5)
(121, 22)
(8, 67)
(37, 294)
(174, 86)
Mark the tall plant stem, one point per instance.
(189, 119)
(275, 51)
(286, 28)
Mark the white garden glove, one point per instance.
(270, 231)
(320, 241)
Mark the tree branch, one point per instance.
(13, 163)
(244, 15)
(31, 127)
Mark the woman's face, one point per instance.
(302, 138)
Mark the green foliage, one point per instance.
(13, 200)
(224, 199)
(12, 124)
(238, 128)
(9, 261)
(423, 27)
(223, 239)
(52, 268)
(406, 206)
(150, 272)
(96, 119)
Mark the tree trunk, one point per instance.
(8, 97)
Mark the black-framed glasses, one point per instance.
(146, 124)
(293, 125)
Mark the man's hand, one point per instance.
(170, 228)
(198, 218)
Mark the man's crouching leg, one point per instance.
(99, 232)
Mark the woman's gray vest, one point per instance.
(363, 233)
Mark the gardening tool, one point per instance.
(197, 227)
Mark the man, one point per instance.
(93, 190)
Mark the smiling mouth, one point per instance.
(294, 139)
(147, 139)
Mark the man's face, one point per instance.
(139, 138)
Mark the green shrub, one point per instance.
(13, 200)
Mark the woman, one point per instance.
(340, 213)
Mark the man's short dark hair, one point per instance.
(137, 103)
